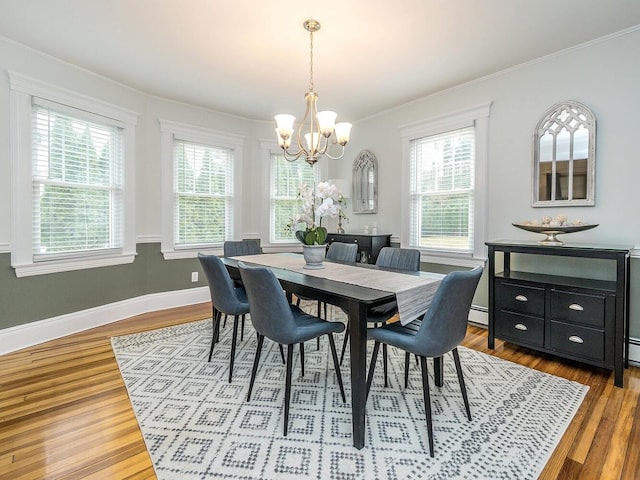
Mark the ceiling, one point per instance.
(251, 57)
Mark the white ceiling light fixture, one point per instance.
(318, 128)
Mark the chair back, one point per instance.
(399, 258)
(269, 309)
(223, 293)
(236, 248)
(342, 252)
(445, 323)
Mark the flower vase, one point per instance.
(314, 256)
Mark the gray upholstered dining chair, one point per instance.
(441, 331)
(236, 248)
(225, 299)
(275, 318)
(407, 259)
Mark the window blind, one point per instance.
(77, 174)
(203, 201)
(442, 191)
(286, 179)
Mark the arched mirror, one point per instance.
(564, 156)
(365, 183)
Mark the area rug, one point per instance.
(197, 425)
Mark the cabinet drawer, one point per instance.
(520, 328)
(521, 298)
(573, 307)
(582, 341)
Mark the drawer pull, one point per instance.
(576, 307)
(575, 339)
(522, 298)
(355, 241)
(520, 326)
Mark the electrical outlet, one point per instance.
(194, 276)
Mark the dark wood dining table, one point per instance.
(356, 300)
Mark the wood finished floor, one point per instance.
(65, 413)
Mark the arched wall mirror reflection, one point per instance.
(365, 183)
(564, 155)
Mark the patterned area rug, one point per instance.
(197, 425)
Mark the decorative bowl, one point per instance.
(551, 232)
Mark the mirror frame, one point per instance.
(553, 121)
(365, 183)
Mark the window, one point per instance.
(445, 163)
(442, 188)
(286, 178)
(77, 184)
(200, 166)
(71, 161)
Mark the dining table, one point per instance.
(355, 297)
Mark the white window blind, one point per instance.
(203, 200)
(442, 191)
(78, 181)
(286, 179)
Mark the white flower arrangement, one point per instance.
(326, 201)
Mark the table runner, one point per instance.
(413, 293)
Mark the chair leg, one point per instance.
(384, 364)
(320, 316)
(427, 401)
(302, 358)
(254, 370)
(233, 345)
(334, 354)
(242, 330)
(224, 323)
(287, 387)
(406, 369)
(344, 342)
(372, 365)
(282, 353)
(216, 329)
(463, 388)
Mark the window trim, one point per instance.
(268, 148)
(23, 89)
(478, 117)
(169, 132)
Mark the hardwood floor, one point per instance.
(65, 413)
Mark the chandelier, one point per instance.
(318, 128)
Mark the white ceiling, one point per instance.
(251, 57)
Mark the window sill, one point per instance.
(44, 268)
(191, 253)
(454, 260)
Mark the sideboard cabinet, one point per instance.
(582, 319)
(369, 246)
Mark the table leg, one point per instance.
(358, 352)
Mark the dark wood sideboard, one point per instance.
(582, 319)
(369, 243)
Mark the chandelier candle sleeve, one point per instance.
(319, 129)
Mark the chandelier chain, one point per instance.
(311, 62)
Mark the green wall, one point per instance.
(27, 299)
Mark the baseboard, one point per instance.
(479, 315)
(22, 336)
(634, 351)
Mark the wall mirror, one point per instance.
(365, 183)
(564, 155)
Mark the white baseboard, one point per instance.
(22, 336)
(634, 351)
(479, 315)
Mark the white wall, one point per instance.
(604, 76)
